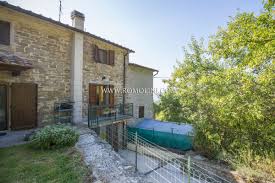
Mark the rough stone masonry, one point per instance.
(105, 164)
(63, 63)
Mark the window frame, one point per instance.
(101, 98)
(8, 42)
(141, 112)
(105, 52)
(109, 56)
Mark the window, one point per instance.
(101, 94)
(104, 56)
(102, 98)
(141, 112)
(4, 33)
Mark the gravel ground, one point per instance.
(106, 165)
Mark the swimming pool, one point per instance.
(166, 134)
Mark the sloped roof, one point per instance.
(21, 10)
(143, 67)
(13, 62)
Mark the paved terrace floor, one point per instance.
(12, 138)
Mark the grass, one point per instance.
(26, 165)
(258, 171)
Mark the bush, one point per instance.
(254, 168)
(54, 136)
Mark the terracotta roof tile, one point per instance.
(21, 10)
(141, 66)
(14, 60)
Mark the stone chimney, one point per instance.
(78, 19)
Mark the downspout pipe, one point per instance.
(123, 94)
(124, 77)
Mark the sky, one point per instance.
(156, 29)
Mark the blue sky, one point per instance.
(156, 29)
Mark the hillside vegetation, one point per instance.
(226, 90)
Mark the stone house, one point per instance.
(44, 62)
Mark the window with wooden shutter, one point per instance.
(4, 33)
(95, 53)
(101, 94)
(103, 56)
(111, 57)
(92, 94)
(141, 111)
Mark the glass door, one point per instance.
(3, 107)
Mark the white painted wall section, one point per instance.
(77, 76)
(140, 78)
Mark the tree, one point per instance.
(269, 4)
(227, 91)
(182, 98)
(247, 46)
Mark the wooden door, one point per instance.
(93, 101)
(92, 94)
(111, 96)
(95, 91)
(23, 105)
(3, 107)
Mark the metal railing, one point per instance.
(106, 114)
(158, 164)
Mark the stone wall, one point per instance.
(48, 47)
(93, 72)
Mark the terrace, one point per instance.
(107, 114)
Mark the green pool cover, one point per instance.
(165, 139)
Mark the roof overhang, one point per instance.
(30, 13)
(13, 67)
(14, 63)
(143, 67)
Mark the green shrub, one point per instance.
(252, 167)
(54, 136)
